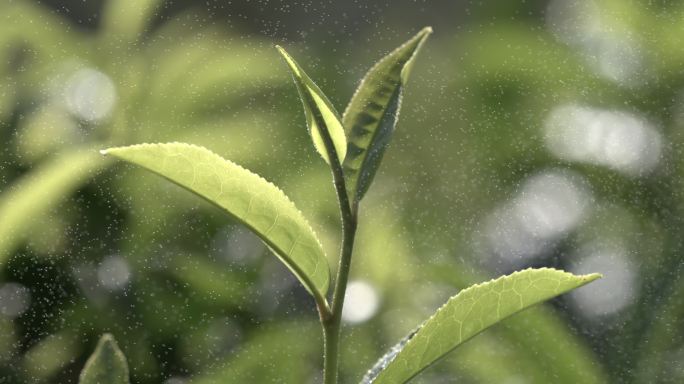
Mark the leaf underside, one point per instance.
(372, 113)
(107, 365)
(322, 118)
(245, 196)
(469, 313)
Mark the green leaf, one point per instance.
(107, 365)
(322, 119)
(28, 199)
(124, 18)
(247, 197)
(373, 111)
(267, 356)
(658, 363)
(467, 314)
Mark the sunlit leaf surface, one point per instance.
(255, 202)
(469, 313)
(321, 116)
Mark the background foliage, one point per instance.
(533, 133)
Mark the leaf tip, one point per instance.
(107, 337)
(294, 67)
(283, 52)
(107, 342)
(592, 276)
(107, 364)
(104, 152)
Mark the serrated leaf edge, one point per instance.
(105, 152)
(588, 277)
(359, 189)
(423, 33)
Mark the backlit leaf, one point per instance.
(247, 197)
(321, 117)
(372, 114)
(469, 313)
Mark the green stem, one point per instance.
(332, 325)
(331, 320)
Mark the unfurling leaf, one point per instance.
(372, 114)
(247, 197)
(107, 365)
(469, 313)
(322, 119)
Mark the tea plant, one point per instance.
(353, 146)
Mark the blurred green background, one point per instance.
(533, 133)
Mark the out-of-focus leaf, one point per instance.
(124, 18)
(107, 365)
(661, 358)
(8, 340)
(321, 117)
(372, 113)
(203, 78)
(469, 313)
(267, 356)
(44, 132)
(546, 339)
(48, 185)
(7, 95)
(213, 285)
(48, 42)
(539, 341)
(50, 355)
(255, 202)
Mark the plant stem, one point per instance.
(332, 325)
(332, 322)
(331, 318)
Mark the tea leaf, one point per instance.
(322, 119)
(387, 358)
(373, 111)
(469, 313)
(107, 365)
(247, 197)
